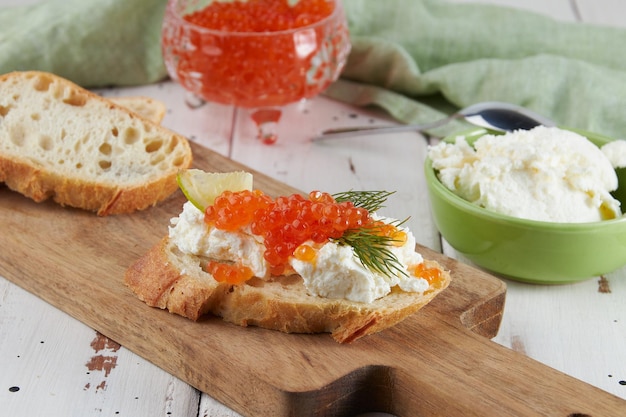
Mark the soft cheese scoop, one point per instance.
(545, 174)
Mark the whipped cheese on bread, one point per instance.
(316, 263)
(334, 273)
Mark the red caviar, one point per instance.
(305, 253)
(432, 275)
(286, 223)
(397, 237)
(230, 273)
(259, 65)
(260, 15)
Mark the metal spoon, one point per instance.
(493, 115)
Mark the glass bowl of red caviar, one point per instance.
(255, 54)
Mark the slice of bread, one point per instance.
(60, 141)
(151, 109)
(169, 279)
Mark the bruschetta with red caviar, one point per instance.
(298, 264)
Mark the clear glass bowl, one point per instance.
(261, 70)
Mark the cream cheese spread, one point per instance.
(545, 174)
(334, 273)
(191, 235)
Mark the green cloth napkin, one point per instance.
(95, 43)
(417, 59)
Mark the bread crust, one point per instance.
(104, 199)
(168, 279)
(38, 154)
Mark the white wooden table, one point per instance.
(53, 365)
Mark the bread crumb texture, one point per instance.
(62, 134)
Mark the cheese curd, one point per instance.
(191, 235)
(334, 273)
(337, 273)
(544, 174)
(615, 151)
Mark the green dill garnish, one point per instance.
(369, 200)
(371, 247)
(373, 250)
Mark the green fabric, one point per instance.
(414, 57)
(418, 59)
(94, 43)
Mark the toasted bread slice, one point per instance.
(169, 279)
(60, 141)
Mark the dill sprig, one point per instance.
(369, 200)
(373, 249)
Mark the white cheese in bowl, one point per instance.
(615, 151)
(545, 174)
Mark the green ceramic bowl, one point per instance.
(527, 250)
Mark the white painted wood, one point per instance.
(599, 12)
(211, 407)
(574, 328)
(53, 365)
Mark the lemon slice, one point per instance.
(201, 187)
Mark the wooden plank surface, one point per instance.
(79, 269)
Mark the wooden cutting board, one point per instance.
(438, 362)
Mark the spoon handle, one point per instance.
(346, 132)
